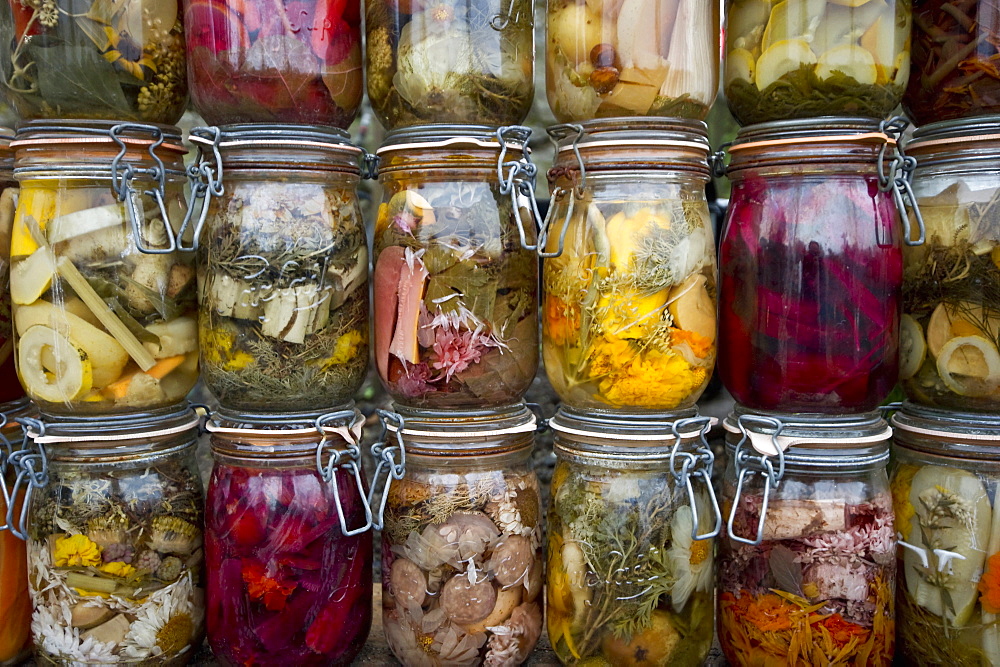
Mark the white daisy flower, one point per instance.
(691, 559)
(51, 626)
(165, 623)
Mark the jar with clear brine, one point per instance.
(15, 601)
(283, 260)
(274, 61)
(951, 284)
(809, 58)
(807, 564)
(629, 300)
(630, 554)
(10, 388)
(462, 568)
(288, 545)
(104, 308)
(124, 62)
(455, 292)
(115, 552)
(953, 73)
(445, 61)
(944, 486)
(811, 258)
(610, 58)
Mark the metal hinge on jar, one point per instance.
(385, 455)
(699, 463)
(577, 193)
(370, 163)
(31, 466)
(750, 463)
(517, 179)
(6, 461)
(899, 179)
(329, 458)
(205, 178)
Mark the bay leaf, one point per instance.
(786, 572)
(75, 79)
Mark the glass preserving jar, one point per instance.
(455, 283)
(955, 50)
(610, 58)
(944, 487)
(462, 569)
(807, 559)
(287, 539)
(810, 58)
(122, 62)
(105, 319)
(811, 258)
(283, 269)
(951, 284)
(631, 531)
(15, 601)
(10, 388)
(629, 280)
(114, 529)
(274, 61)
(444, 61)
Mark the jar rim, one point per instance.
(769, 431)
(450, 425)
(446, 136)
(102, 429)
(332, 140)
(227, 420)
(637, 132)
(923, 420)
(617, 426)
(37, 133)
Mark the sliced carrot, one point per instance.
(160, 370)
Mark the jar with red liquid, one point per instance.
(812, 266)
(10, 388)
(283, 61)
(287, 539)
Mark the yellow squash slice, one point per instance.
(849, 60)
(793, 19)
(782, 58)
(912, 347)
(51, 367)
(740, 65)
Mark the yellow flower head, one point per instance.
(610, 355)
(118, 569)
(562, 321)
(346, 348)
(76, 550)
(655, 379)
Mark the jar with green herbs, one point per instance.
(611, 58)
(944, 487)
(956, 46)
(15, 601)
(288, 539)
(455, 285)
(629, 280)
(114, 531)
(446, 61)
(950, 328)
(808, 58)
(283, 266)
(10, 388)
(104, 305)
(462, 569)
(631, 545)
(807, 557)
(95, 60)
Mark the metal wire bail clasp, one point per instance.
(369, 164)
(122, 176)
(205, 178)
(385, 454)
(517, 178)
(697, 464)
(6, 452)
(32, 472)
(749, 464)
(329, 458)
(557, 193)
(899, 180)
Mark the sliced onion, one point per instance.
(970, 366)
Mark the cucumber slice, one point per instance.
(961, 524)
(51, 367)
(969, 366)
(912, 347)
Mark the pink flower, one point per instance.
(415, 381)
(405, 222)
(458, 349)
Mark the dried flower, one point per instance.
(455, 349)
(76, 550)
(169, 569)
(989, 585)
(172, 535)
(148, 561)
(691, 559)
(118, 569)
(513, 641)
(562, 321)
(415, 381)
(48, 14)
(117, 552)
(271, 590)
(166, 623)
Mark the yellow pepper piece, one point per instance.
(38, 204)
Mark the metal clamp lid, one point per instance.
(32, 473)
(385, 454)
(517, 178)
(558, 133)
(748, 465)
(899, 179)
(697, 464)
(7, 460)
(205, 178)
(334, 458)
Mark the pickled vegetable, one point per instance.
(95, 59)
(284, 306)
(955, 54)
(99, 325)
(806, 58)
(658, 603)
(629, 306)
(456, 297)
(285, 61)
(610, 58)
(439, 61)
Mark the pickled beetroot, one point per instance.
(284, 584)
(810, 294)
(275, 61)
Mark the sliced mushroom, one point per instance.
(471, 532)
(511, 560)
(533, 584)
(467, 603)
(409, 586)
(507, 601)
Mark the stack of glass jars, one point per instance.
(812, 257)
